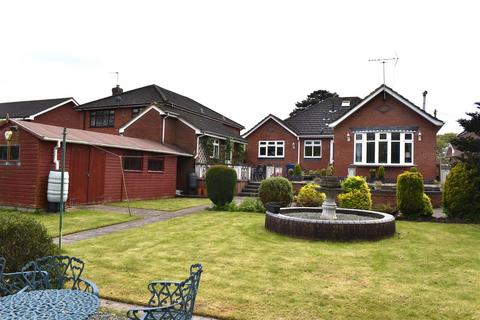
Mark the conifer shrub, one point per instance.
(356, 194)
(461, 198)
(410, 193)
(381, 173)
(276, 189)
(297, 170)
(427, 206)
(308, 196)
(221, 183)
(23, 239)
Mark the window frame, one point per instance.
(215, 149)
(312, 144)
(8, 161)
(95, 115)
(136, 113)
(156, 158)
(361, 138)
(140, 156)
(276, 144)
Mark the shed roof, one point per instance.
(54, 133)
(31, 108)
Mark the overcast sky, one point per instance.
(244, 59)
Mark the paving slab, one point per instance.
(146, 217)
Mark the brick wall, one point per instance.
(64, 116)
(148, 127)
(316, 163)
(397, 115)
(271, 130)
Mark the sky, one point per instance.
(244, 59)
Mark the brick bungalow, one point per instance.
(383, 129)
(101, 166)
(161, 115)
(57, 112)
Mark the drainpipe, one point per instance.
(163, 129)
(55, 156)
(298, 151)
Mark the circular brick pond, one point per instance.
(351, 224)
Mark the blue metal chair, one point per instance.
(14, 282)
(170, 300)
(58, 272)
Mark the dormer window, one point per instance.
(346, 103)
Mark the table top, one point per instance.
(49, 304)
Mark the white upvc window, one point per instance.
(271, 149)
(383, 148)
(312, 149)
(216, 149)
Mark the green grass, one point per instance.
(170, 204)
(75, 221)
(426, 271)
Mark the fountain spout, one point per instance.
(330, 185)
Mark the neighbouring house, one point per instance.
(383, 129)
(452, 151)
(161, 115)
(102, 167)
(57, 112)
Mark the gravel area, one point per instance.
(106, 316)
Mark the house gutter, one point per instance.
(55, 156)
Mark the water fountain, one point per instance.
(329, 222)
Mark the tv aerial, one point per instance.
(383, 61)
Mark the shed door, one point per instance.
(87, 175)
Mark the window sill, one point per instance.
(263, 157)
(155, 171)
(4, 163)
(383, 165)
(130, 170)
(312, 158)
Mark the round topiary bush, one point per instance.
(308, 196)
(221, 183)
(461, 198)
(410, 193)
(276, 189)
(23, 239)
(356, 194)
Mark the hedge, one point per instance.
(410, 193)
(276, 189)
(221, 183)
(461, 196)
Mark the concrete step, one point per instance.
(250, 189)
(248, 194)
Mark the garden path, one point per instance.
(146, 217)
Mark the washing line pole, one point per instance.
(62, 177)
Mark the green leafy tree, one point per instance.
(313, 98)
(442, 142)
(469, 142)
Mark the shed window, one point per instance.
(10, 153)
(156, 164)
(133, 161)
(312, 149)
(102, 118)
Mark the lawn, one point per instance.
(75, 221)
(170, 204)
(426, 271)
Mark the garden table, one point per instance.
(63, 304)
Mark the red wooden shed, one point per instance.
(102, 167)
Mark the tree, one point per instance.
(442, 142)
(313, 98)
(469, 141)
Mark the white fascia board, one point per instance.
(132, 121)
(396, 96)
(32, 117)
(246, 134)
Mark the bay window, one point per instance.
(312, 149)
(271, 149)
(383, 148)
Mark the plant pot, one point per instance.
(330, 182)
(273, 207)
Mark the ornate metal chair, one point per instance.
(14, 282)
(58, 272)
(170, 300)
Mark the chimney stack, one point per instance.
(117, 91)
(424, 99)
